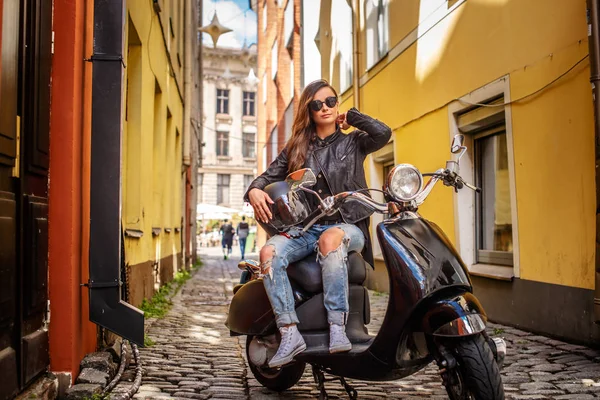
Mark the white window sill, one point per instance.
(500, 272)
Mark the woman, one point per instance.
(337, 160)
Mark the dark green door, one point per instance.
(25, 62)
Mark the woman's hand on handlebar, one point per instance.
(258, 201)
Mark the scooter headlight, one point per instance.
(404, 182)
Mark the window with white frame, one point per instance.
(493, 220)
(248, 146)
(288, 118)
(274, 60)
(248, 106)
(381, 163)
(487, 220)
(273, 141)
(223, 189)
(222, 143)
(288, 22)
(200, 187)
(222, 101)
(377, 32)
(247, 181)
(341, 29)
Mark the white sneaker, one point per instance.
(338, 341)
(291, 344)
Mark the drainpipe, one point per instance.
(355, 60)
(107, 309)
(593, 20)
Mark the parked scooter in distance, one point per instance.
(432, 314)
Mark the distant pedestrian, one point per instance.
(242, 232)
(227, 233)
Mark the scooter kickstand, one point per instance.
(320, 380)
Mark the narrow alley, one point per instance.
(195, 357)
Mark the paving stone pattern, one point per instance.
(195, 358)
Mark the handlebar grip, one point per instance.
(475, 188)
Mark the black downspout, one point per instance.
(593, 20)
(106, 307)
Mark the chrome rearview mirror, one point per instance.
(458, 147)
(457, 143)
(301, 179)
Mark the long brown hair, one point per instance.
(303, 130)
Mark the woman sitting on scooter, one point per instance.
(337, 160)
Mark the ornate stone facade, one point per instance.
(229, 124)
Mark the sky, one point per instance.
(233, 14)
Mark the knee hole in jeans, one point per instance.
(331, 240)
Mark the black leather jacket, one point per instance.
(341, 161)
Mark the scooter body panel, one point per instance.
(250, 311)
(422, 263)
(429, 288)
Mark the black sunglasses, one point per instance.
(316, 105)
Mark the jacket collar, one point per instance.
(320, 143)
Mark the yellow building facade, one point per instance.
(513, 77)
(152, 180)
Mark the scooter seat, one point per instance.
(307, 272)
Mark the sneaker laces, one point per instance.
(286, 338)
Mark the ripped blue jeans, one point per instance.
(334, 267)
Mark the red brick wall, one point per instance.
(272, 112)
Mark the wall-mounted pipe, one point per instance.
(355, 58)
(106, 307)
(593, 20)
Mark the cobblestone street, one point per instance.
(194, 356)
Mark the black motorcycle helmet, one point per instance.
(290, 208)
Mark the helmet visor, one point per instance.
(289, 210)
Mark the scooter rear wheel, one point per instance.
(276, 379)
(477, 375)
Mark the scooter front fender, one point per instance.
(460, 315)
(250, 311)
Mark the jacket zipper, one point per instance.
(327, 180)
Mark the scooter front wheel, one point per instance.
(276, 379)
(476, 375)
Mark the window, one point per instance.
(249, 100)
(223, 189)
(248, 149)
(273, 140)
(247, 181)
(487, 222)
(288, 22)
(377, 16)
(200, 183)
(493, 207)
(274, 60)
(222, 101)
(291, 79)
(341, 24)
(288, 117)
(222, 143)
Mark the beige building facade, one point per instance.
(229, 126)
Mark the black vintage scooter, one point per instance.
(432, 314)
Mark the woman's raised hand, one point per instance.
(258, 200)
(341, 121)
